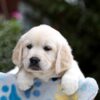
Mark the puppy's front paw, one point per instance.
(24, 85)
(69, 85)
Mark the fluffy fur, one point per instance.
(57, 61)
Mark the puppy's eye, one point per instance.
(29, 46)
(47, 48)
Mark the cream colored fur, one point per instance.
(52, 63)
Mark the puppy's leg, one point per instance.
(24, 80)
(70, 80)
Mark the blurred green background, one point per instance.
(78, 21)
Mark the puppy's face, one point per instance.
(40, 49)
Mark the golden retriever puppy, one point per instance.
(44, 53)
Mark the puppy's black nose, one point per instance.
(34, 60)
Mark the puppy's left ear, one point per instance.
(64, 57)
(17, 54)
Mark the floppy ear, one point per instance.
(64, 57)
(17, 54)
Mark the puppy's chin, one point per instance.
(35, 69)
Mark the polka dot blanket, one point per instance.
(45, 90)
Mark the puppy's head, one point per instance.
(42, 48)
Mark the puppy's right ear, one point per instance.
(17, 54)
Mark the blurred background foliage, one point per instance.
(78, 22)
(9, 33)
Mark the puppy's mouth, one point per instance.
(36, 67)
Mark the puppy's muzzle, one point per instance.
(34, 63)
